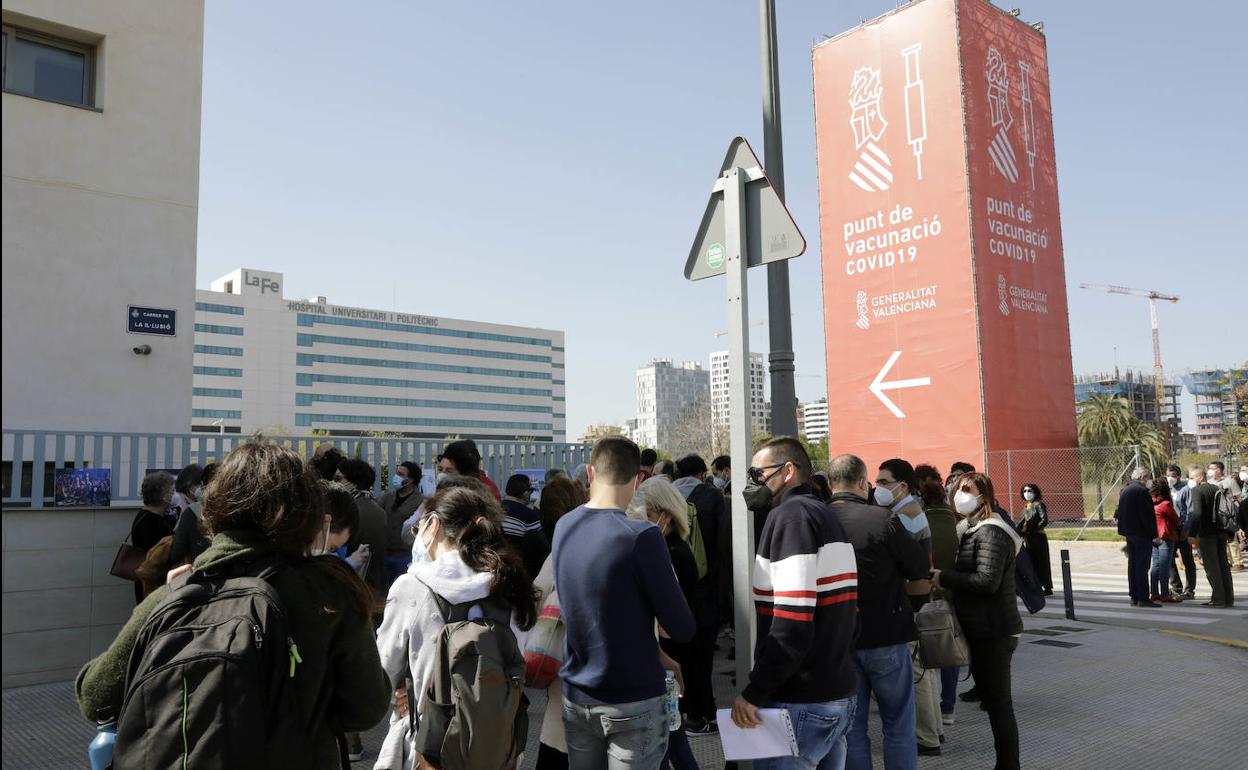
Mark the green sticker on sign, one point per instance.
(714, 256)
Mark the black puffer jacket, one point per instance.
(983, 577)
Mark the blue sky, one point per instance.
(546, 164)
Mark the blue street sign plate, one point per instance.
(151, 320)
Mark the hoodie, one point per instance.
(407, 638)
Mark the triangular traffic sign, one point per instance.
(771, 233)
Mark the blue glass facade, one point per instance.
(218, 371)
(217, 392)
(218, 350)
(307, 340)
(306, 379)
(309, 359)
(308, 319)
(210, 307)
(236, 331)
(307, 399)
(305, 420)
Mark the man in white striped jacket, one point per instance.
(805, 589)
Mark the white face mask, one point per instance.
(1029, 495)
(965, 503)
(438, 478)
(324, 542)
(884, 496)
(1172, 481)
(1243, 475)
(720, 483)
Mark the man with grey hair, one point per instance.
(886, 556)
(1138, 524)
(1209, 540)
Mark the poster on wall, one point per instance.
(538, 479)
(83, 487)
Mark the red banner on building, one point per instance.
(944, 290)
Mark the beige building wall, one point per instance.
(100, 212)
(60, 605)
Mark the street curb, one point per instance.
(1201, 637)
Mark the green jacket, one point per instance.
(341, 682)
(944, 525)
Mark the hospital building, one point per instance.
(263, 362)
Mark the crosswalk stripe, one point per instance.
(1081, 602)
(1126, 615)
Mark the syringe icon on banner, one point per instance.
(1029, 121)
(916, 106)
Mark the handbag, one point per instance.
(543, 651)
(941, 643)
(129, 557)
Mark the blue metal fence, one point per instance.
(31, 457)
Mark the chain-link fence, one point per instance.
(1079, 485)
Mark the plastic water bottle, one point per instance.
(672, 704)
(100, 751)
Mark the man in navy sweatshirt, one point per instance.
(806, 597)
(615, 581)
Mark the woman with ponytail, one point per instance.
(460, 555)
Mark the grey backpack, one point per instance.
(473, 713)
(941, 643)
(1225, 514)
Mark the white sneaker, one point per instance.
(947, 719)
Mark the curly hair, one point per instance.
(265, 488)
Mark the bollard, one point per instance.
(1067, 591)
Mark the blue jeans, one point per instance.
(820, 730)
(396, 564)
(1139, 556)
(679, 755)
(616, 736)
(1159, 574)
(949, 689)
(885, 671)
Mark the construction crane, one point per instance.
(1158, 382)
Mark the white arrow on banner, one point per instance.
(878, 386)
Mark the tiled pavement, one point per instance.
(1115, 698)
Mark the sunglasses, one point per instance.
(756, 474)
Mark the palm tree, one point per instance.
(1104, 420)
(1107, 427)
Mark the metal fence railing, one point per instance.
(32, 457)
(1079, 485)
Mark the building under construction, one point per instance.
(1218, 405)
(1138, 389)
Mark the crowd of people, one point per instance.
(1199, 518)
(609, 591)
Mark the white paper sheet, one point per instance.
(773, 738)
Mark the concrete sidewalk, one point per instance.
(1086, 696)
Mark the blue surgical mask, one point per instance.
(420, 548)
(396, 481)
(916, 525)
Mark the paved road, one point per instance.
(1099, 581)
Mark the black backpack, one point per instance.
(209, 681)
